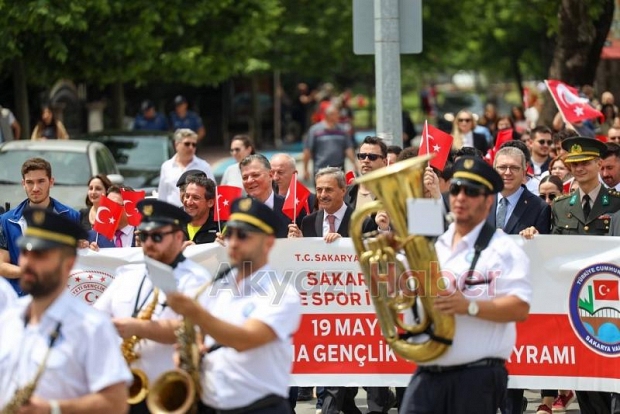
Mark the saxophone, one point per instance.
(23, 395)
(178, 391)
(140, 385)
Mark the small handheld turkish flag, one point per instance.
(503, 136)
(130, 199)
(108, 215)
(606, 289)
(573, 107)
(435, 141)
(296, 199)
(350, 177)
(224, 196)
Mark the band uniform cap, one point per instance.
(582, 149)
(476, 171)
(156, 213)
(180, 99)
(146, 105)
(188, 173)
(252, 215)
(48, 230)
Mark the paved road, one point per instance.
(533, 397)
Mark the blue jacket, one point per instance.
(10, 228)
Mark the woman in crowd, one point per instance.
(97, 186)
(464, 135)
(48, 127)
(518, 119)
(240, 147)
(550, 187)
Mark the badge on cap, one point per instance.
(245, 204)
(576, 149)
(147, 210)
(468, 164)
(38, 217)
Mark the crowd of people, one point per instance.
(542, 181)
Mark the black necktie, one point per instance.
(586, 206)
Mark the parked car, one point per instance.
(73, 163)
(139, 155)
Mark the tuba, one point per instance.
(178, 391)
(140, 384)
(392, 186)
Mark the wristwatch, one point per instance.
(473, 309)
(54, 407)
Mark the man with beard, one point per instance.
(610, 166)
(248, 316)
(161, 237)
(37, 180)
(198, 201)
(73, 345)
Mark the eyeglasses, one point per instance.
(464, 120)
(545, 142)
(372, 157)
(241, 234)
(234, 150)
(190, 144)
(549, 196)
(512, 168)
(470, 191)
(157, 237)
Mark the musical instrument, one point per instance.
(392, 186)
(178, 391)
(139, 387)
(23, 395)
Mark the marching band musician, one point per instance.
(248, 316)
(131, 292)
(490, 291)
(72, 346)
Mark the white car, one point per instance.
(73, 163)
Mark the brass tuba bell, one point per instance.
(392, 186)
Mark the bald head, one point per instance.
(283, 166)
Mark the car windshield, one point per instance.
(68, 168)
(137, 153)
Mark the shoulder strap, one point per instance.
(482, 242)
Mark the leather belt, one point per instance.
(265, 402)
(486, 362)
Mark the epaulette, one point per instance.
(613, 192)
(564, 196)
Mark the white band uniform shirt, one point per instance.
(171, 172)
(339, 216)
(120, 298)
(7, 294)
(232, 379)
(506, 268)
(85, 358)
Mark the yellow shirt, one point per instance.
(192, 230)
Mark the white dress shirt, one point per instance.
(339, 217)
(171, 172)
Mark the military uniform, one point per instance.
(568, 217)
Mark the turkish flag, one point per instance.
(224, 196)
(296, 199)
(503, 136)
(108, 215)
(130, 199)
(435, 141)
(573, 107)
(350, 177)
(567, 185)
(606, 289)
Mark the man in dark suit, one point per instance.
(330, 222)
(124, 236)
(516, 208)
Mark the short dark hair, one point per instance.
(564, 134)
(613, 149)
(394, 149)
(540, 129)
(203, 182)
(35, 164)
(517, 143)
(113, 189)
(468, 152)
(255, 157)
(370, 140)
(409, 152)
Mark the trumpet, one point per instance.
(392, 186)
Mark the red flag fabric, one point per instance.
(130, 199)
(573, 107)
(606, 289)
(350, 177)
(567, 185)
(108, 214)
(224, 196)
(435, 141)
(296, 199)
(503, 136)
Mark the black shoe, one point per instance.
(305, 394)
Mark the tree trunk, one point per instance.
(518, 75)
(578, 48)
(257, 121)
(20, 86)
(118, 105)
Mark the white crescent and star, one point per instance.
(600, 290)
(97, 219)
(125, 202)
(567, 98)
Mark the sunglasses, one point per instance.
(464, 119)
(372, 157)
(233, 150)
(548, 196)
(190, 144)
(241, 234)
(470, 191)
(157, 237)
(545, 142)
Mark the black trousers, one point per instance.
(476, 390)
(594, 402)
(337, 399)
(379, 399)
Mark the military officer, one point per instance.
(587, 210)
